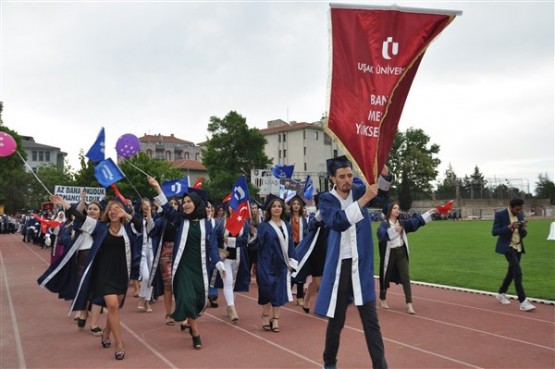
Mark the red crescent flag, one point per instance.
(198, 183)
(445, 208)
(375, 55)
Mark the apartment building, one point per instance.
(42, 155)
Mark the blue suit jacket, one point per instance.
(501, 228)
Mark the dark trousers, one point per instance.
(368, 316)
(513, 273)
(398, 259)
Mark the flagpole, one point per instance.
(31, 170)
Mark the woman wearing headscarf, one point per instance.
(276, 260)
(193, 257)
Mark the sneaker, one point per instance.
(526, 306)
(96, 331)
(503, 298)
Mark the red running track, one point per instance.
(452, 329)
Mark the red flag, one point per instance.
(237, 219)
(445, 208)
(227, 198)
(376, 53)
(198, 183)
(118, 194)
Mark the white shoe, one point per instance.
(526, 306)
(503, 298)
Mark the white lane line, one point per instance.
(16, 335)
(152, 349)
(283, 348)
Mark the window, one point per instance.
(305, 167)
(197, 156)
(316, 135)
(279, 137)
(284, 153)
(284, 137)
(41, 155)
(187, 155)
(279, 154)
(304, 151)
(47, 156)
(168, 155)
(335, 153)
(304, 134)
(34, 156)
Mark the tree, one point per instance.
(49, 176)
(545, 188)
(232, 150)
(449, 188)
(412, 160)
(475, 184)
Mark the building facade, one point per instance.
(169, 148)
(305, 145)
(42, 155)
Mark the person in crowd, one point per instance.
(394, 250)
(234, 253)
(276, 260)
(299, 229)
(213, 291)
(106, 275)
(193, 256)
(255, 220)
(147, 257)
(163, 236)
(510, 228)
(349, 266)
(312, 255)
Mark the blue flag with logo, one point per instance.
(96, 152)
(107, 173)
(308, 188)
(176, 187)
(283, 171)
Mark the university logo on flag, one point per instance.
(283, 171)
(107, 172)
(175, 187)
(97, 151)
(375, 55)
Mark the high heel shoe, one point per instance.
(197, 343)
(119, 355)
(266, 324)
(105, 342)
(275, 325)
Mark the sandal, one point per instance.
(105, 342)
(185, 326)
(274, 325)
(266, 324)
(120, 354)
(169, 320)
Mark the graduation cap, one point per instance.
(269, 199)
(335, 163)
(289, 200)
(254, 202)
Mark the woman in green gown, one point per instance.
(193, 257)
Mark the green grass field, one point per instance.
(462, 254)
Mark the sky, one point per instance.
(484, 91)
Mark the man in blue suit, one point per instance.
(510, 227)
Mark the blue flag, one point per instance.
(107, 172)
(96, 152)
(176, 187)
(283, 171)
(239, 194)
(308, 188)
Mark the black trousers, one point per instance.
(513, 273)
(368, 316)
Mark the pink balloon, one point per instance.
(128, 145)
(7, 144)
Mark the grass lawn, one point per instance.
(462, 254)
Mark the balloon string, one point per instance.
(33, 172)
(139, 169)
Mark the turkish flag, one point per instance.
(198, 183)
(376, 53)
(237, 219)
(445, 208)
